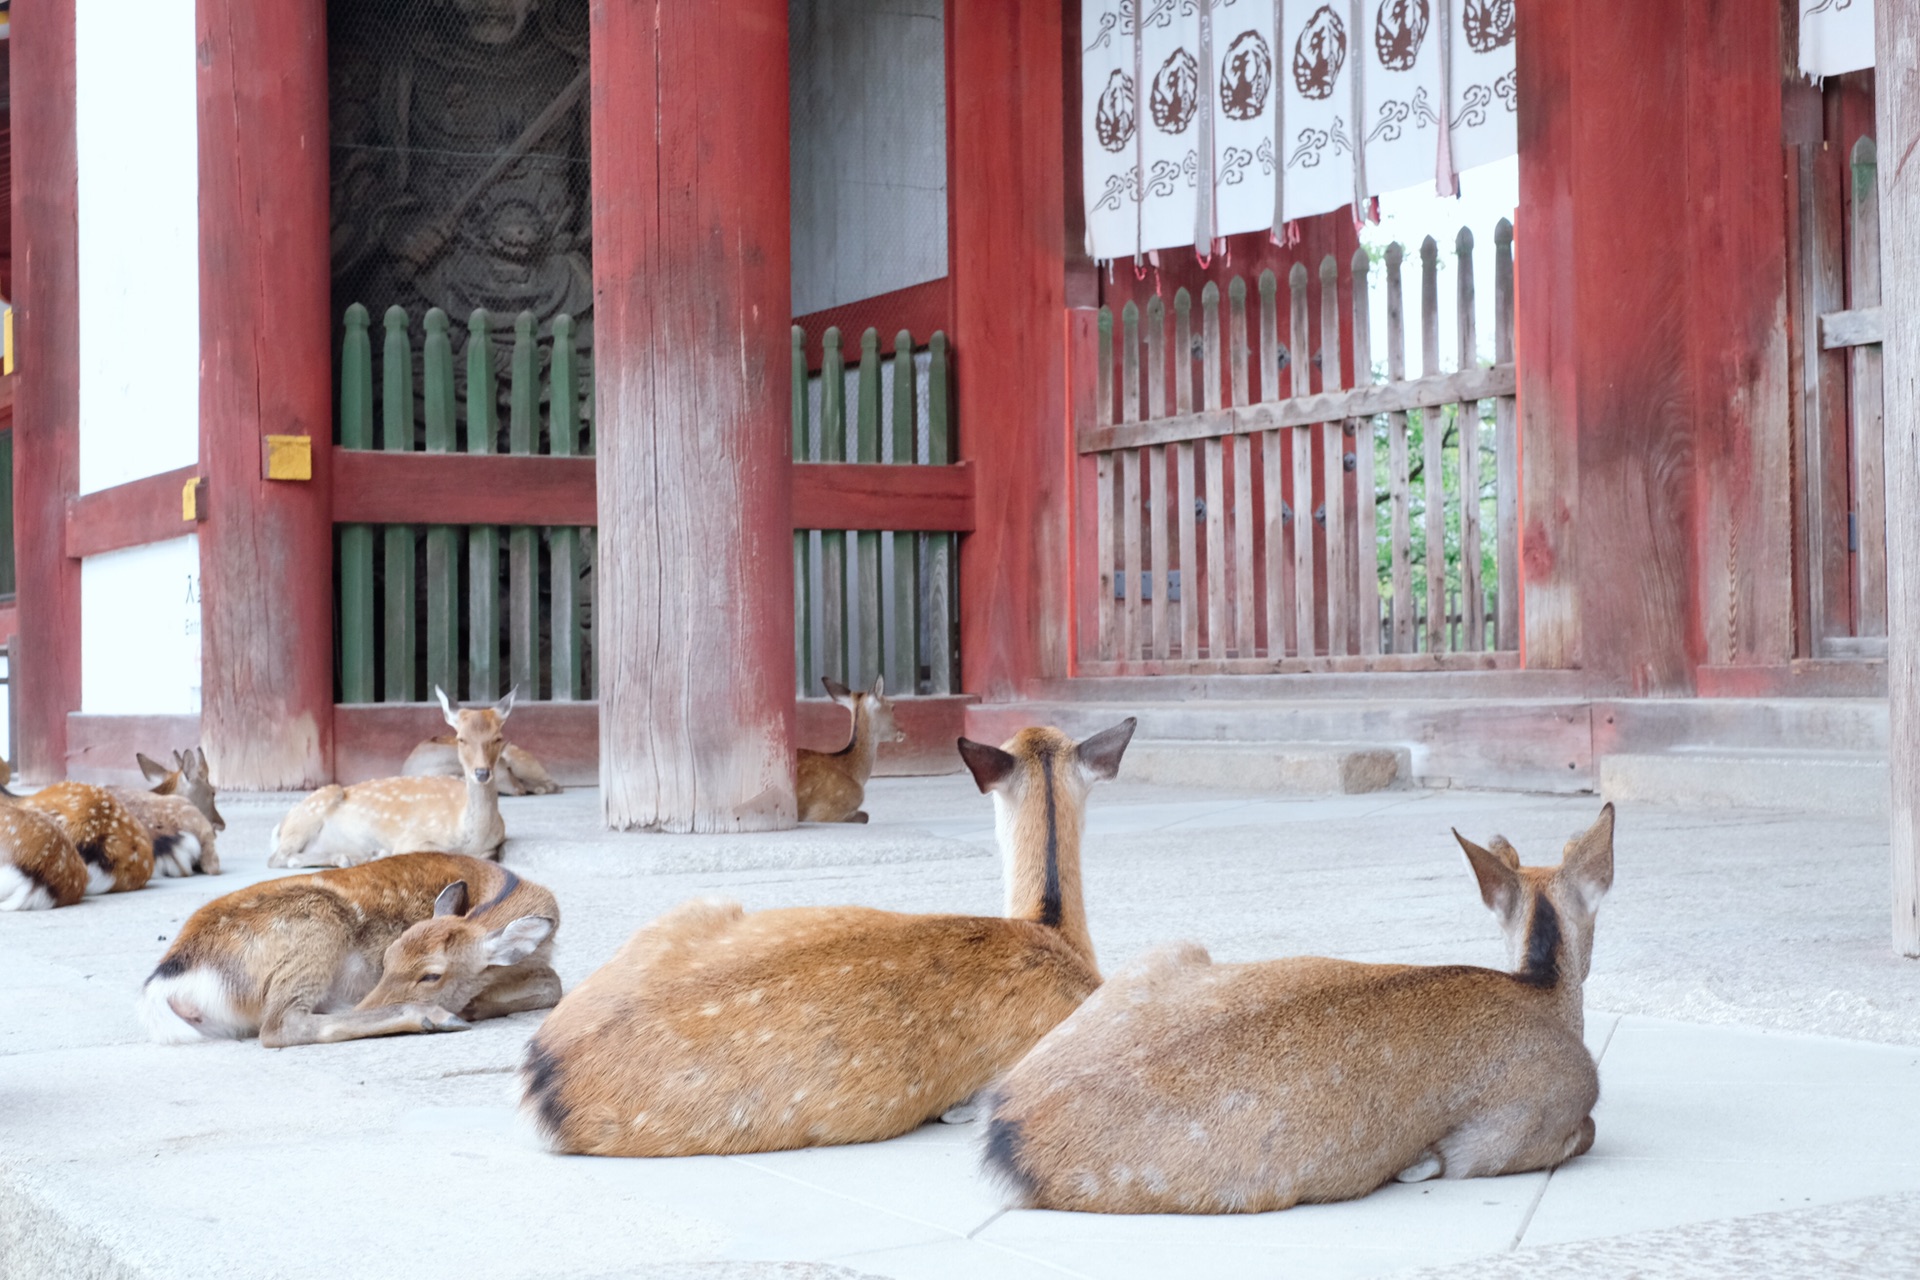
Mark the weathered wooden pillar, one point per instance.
(692, 289)
(46, 332)
(1897, 106)
(266, 546)
(1007, 195)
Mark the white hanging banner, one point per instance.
(1402, 78)
(1835, 36)
(1169, 132)
(1316, 105)
(1483, 112)
(1109, 129)
(1243, 100)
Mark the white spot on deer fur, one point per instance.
(202, 991)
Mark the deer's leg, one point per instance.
(303, 1026)
(537, 988)
(858, 815)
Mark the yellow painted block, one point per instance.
(190, 510)
(289, 457)
(6, 343)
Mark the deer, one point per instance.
(718, 1031)
(344, 826)
(115, 849)
(39, 867)
(519, 770)
(178, 814)
(1184, 1086)
(419, 942)
(833, 785)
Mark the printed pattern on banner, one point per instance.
(1484, 110)
(1316, 102)
(1109, 129)
(1835, 36)
(1400, 131)
(1169, 128)
(1245, 82)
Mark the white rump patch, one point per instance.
(21, 892)
(198, 991)
(99, 879)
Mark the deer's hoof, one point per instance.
(434, 1018)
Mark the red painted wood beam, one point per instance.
(265, 346)
(919, 309)
(46, 332)
(848, 495)
(371, 487)
(128, 515)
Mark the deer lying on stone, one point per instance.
(718, 1031)
(519, 771)
(418, 942)
(178, 814)
(39, 867)
(833, 785)
(1189, 1087)
(115, 848)
(340, 826)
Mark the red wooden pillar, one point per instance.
(266, 547)
(1006, 166)
(46, 332)
(692, 294)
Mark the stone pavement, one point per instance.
(1759, 1055)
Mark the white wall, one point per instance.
(140, 630)
(139, 256)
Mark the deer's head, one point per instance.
(444, 960)
(874, 708)
(188, 779)
(478, 736)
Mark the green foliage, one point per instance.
(1418, 421)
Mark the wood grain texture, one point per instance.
(1366, 532)
(1897, 46)
(1867, 408)
(46, 334)
(1004, 64)
(128, 515)
(1333, 480)
(690, 231)
(265, 339)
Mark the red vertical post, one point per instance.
(692, 294)
(1007, 225)
(266, 547)
(46, 334)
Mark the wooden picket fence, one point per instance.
(1201, 470)
(873, 602)
(524, 617)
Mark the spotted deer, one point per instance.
(340, 826)
(833, 785)
(178, 814)
(519, 770)
(39, 867)
(416, 942)
(718, 1031)
(116, 849)
(1189, 1087)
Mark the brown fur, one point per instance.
(519, 771)
(831, 786)
(1189, 1087)
(344, 826)
(37, 847)
(116, 848)
(716, 1031)
(187, 777)
(346, 954)
(182, 833)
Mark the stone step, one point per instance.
(1286, 768)
(1836, 782)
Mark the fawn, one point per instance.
(386, 948)
(39, 867)
(178, 814)
(1189, 1087)
(718, 1031)
(833, 785)
(519, 771)
(343, 826)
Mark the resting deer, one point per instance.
(178, 814)
(343, 826)
(833, 785)
(717, 1031)
(520, 773)
(384, 949)
(1189, 1087)
(39, 867)
(116, 849)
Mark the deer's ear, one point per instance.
(1499, 880)
(835, 690)
(446, 707)
(990, 766)
(879, 686)
(1100, 754)
(196, 765)
(452, 900)
(517, 940)
(504, 707)
(153, 770)
(1588, 862)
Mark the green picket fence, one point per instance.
(871, 602)
(524, 617)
